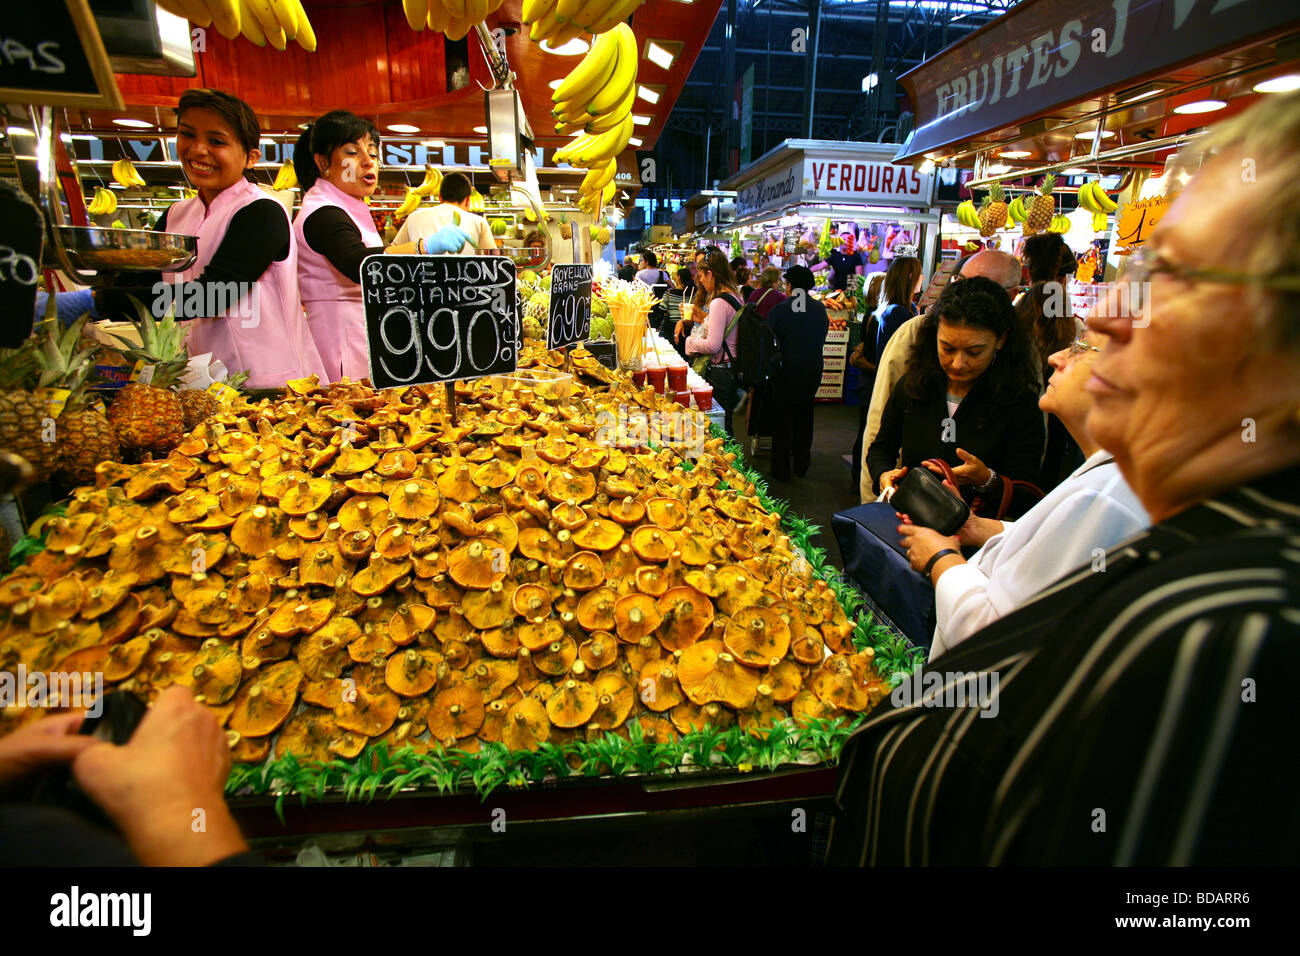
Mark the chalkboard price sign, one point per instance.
(20, 253)
(791, 239)
(569, 320)
(52, 53)
(439, 318)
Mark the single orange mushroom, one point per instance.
(636, 616)
(583, 571)
(572, 704)
(456, 712)
(413, 672)
(478, 563)
(653, 544)
(687, 615)
(708, 673)
(600, 651)
(264, 703)
(532, 602)
(526, 725)
(657, 685)
(756, 636)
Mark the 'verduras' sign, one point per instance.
(439, 318)
(569, 318)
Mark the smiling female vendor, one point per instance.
(337, 161)
(245, 309)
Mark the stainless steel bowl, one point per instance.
(100, 249)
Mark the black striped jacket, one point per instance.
(1143, 714)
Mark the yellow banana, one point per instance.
(134, 174)
(546, 27)
(593, 10)
(617, 14)
(226, 17)
(591, 74)
(417, 13)
(409, 204)
(432, 180)
(1104, 201)
(598, 176)
(306, 35)
(616, 115)
(565, 154)
(1085, 199)
(286, 177)
(534, 10)
(286, 14)
(249, 25)
(458, 29)
(568, 129)
(608, 193)
(192, 10)
(455, 9)
(624, 75)
(476, 10)
(438, 16)
(605, 145)
(565, 9)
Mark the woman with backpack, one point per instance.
(715, 348)
(766, 297)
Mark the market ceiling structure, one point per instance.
(852, 38)
(369, 60)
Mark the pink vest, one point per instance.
(333, 302)
(267, 333)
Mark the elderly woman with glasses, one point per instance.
(1090, 511)
(1142, 707)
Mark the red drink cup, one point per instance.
(638, 378)
(677, 377)
(683, 398)
(704, 397)
(657, 376)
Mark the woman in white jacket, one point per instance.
(1072, 527)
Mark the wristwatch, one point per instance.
(934, 559)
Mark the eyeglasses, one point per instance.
(1147, 261)
(1079, 346)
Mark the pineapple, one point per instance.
(993, 214)
(150, 418)
(600, 234)
(83, 436)
(566, 230)
(198, 405)
(22, 413)
(1042, 208)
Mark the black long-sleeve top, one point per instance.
(1008, 437)
(257, 236)
(331, 232)
(1131, 722)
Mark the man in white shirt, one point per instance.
(650, 273)
(1075, 523)
(431, 225)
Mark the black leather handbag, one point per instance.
(922, 496)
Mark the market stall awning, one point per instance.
(1055, 65)
(830, 172)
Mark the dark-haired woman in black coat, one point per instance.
(968, 397)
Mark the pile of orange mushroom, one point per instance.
(343, 566)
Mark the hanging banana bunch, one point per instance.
(259, 21)
(432, 181)
(455, 18)
(559, 21)
(410, 203)
(125, 175)
(286, 177)
(596, 99)
(104, 203)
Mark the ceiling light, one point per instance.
(575, 47)
(658, 55)
(1200, 106)
(997, 169)
(869, 82)
(1143, 95)
(433, 144)
(480, 129)
(1015, 154)
(1074, 171)
(555, 84)
(19, 131)
(635, 141)
(926, 167)
(403, 128)
(647, 94)
(1090, 133)
(1279, 84)
(639, 120)
(133, 123)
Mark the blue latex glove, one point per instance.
(70, 305)
(447, 239)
